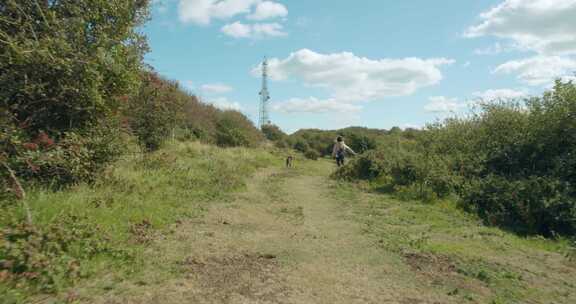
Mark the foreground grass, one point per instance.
(452, 250)
(104, 229)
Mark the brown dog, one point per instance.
(289, 161)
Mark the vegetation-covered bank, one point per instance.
(453, 253)
(512, 163)
(293, 234)
(84, 181)
(75, 90)
(102, 229)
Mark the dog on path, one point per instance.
(289, 161)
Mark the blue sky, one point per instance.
(367, 63)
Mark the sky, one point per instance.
(371, 63)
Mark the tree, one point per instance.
(155, 111)
(234, 129)
(66, 68)
(64, 64)
(273, 132)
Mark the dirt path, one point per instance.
(284, 240)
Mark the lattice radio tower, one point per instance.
(264, 118)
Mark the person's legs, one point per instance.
(340, 161)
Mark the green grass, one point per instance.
(137, 199)
(456, 252)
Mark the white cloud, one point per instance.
(314, 105)
(544, 26)
(267, 29)
(203, 11)
(237, 30)
(495, 49)
(350, 78)
(441, 104)
(500, 94)
(215, 88)
(569, 78)
(254, 31)
(267, 10)
(539, 70)
(466, 64)
(224, 104)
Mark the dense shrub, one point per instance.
(155, 111)
(66, 69)
(512, 163)
(47, 258)
(391, 170)
(273, 133)
(161, 109)
(359, 139)
(201, 119)
(233, 129)
(532, 204)
(360, 143)
(55, 74)
(76, 156)
(312, 154)
(301, 145)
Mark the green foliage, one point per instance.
(65, 68)
(359, 139)
(101, 228)
(77, 156)
(511, 163)
(233, 129)
(154, 111)
(65, 63)
(162, 109)
(47, 258)
(301, 145)
(312, 154)
(273, 133)
(532, 204)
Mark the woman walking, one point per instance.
(339, 151)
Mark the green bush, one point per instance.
(301, 146)
(512, 163)
(153, 113)
(47, 258)
(312, 154)
(67, 68)
(360, 143)
(390, 170)
(75, 157)
(233, 129)
(273, 133)
(531, 205)
(58, 73)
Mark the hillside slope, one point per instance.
(295, 236)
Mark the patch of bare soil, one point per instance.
(430, 264)
(250, 278)
(442, 270)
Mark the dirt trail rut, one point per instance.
(284, 240)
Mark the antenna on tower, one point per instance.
(264, 118)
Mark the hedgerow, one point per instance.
(512, 163)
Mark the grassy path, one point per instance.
(292, 237)
(284, 240)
